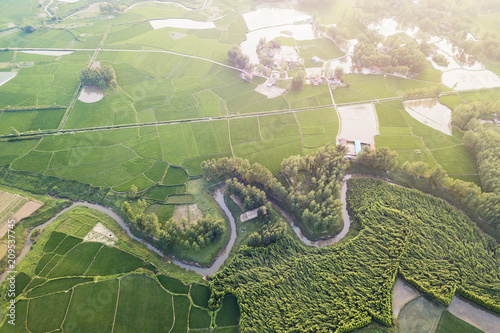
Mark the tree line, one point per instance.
(315, 185)
(484, 204)
(251, 196)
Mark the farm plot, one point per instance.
(371, 87)
(87, 280)
(318, 127)
(309, 96)
(9, 205)
(358, 122)
(275, 138)
(415, 141)
(45, 84)
(24, 121)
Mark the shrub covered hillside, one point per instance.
(402, 231)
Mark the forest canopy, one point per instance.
(431, 244)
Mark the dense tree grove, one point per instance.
(338, 35)
(397, 56)
(236, 57)
(191, 236)
(379, 158)
(250, 195)
(315, 187)
(431, 244)
(103, 76)
(468, 116)
(441, 60)
(484, 204)
(270, 233)
(188, 236)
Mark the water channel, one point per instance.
(462, 310)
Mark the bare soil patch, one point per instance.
(485, 320)
(358, 122)
(91, 94)
(29, 208)
(237, 201)
(101, 234)
(403, 293)
(270, 92)
(190, 213)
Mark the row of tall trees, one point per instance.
(251, 196)
(253, 174)
(484, 142)
(380, 158)
(236, 57)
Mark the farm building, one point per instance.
(247, 76)
(354, 147)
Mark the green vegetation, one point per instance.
(441, 60)
(174, 99)
(101, 76)
(200, 295)
(395, 56)
(315, 191)
(400, 235)
(449, 323)
(92, 302)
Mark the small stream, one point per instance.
(218, 196)
(223, 255)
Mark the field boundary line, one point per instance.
(300, 131)
(67, 308)
(161, 144)
(26, 319)
(48, 164)
(29, 151)
(229, 135)
(258, 126)
(102, 245)
(173, 311)
(116, 307)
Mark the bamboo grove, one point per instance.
(287, 287)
